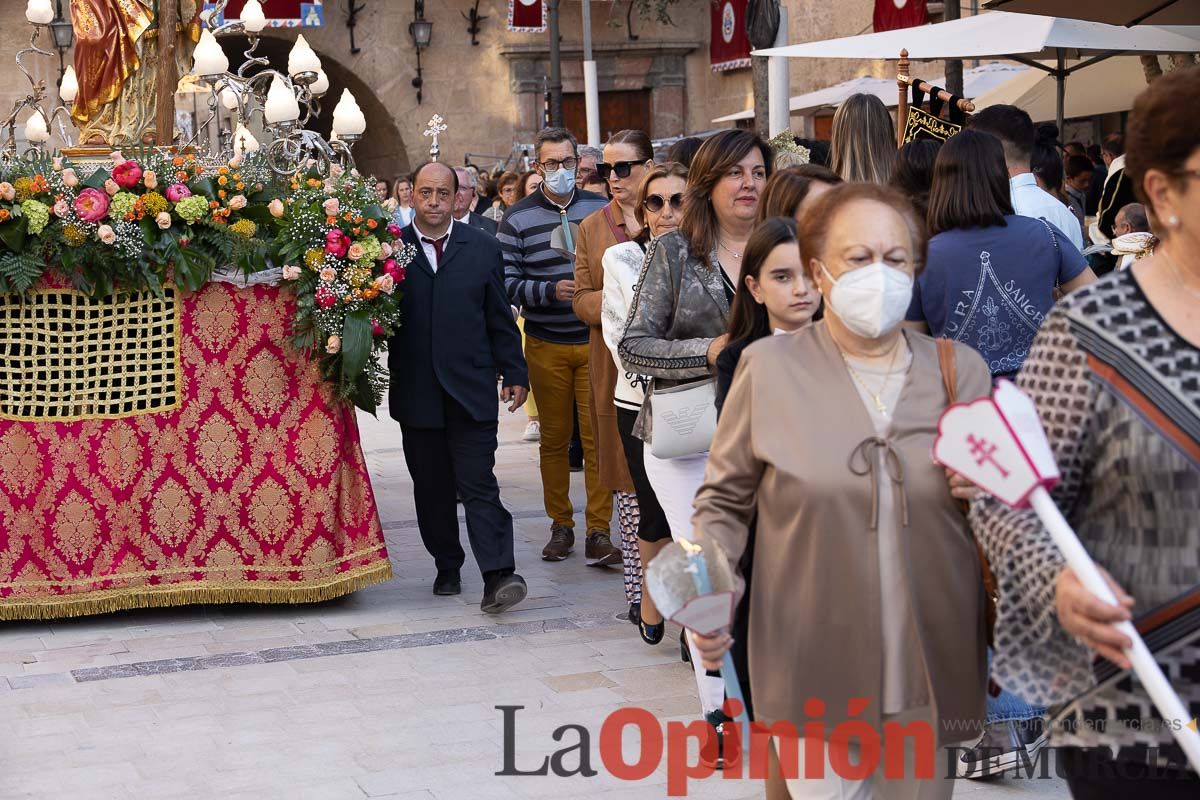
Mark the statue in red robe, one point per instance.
(117, 63)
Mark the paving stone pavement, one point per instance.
(390, 692)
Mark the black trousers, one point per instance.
(462, 457)
(653, 526)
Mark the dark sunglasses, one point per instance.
(622, 168)
(655, 202)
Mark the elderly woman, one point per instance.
(658, 205)
(1115, 374)
(866, 580)
(680, 312)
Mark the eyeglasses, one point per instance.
(622, 168)
(1189, 173)
(554, 165)
(654, 203)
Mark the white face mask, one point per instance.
(871, 300)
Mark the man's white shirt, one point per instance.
(430, 250)
(1031, 200)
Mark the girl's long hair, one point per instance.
(863, 140)
(716, 157)
(747, 317)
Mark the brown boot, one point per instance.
(599, 550)
(561, 541)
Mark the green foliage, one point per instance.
(19, 271)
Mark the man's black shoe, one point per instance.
(447, 582)
(502, 592)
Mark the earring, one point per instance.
(1173, 221)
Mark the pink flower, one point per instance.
(62, 209)
(390, 267)
(163, 220)
(178, 191)
(106, 234)
(325, 297)
(116, 157)
(238, 202)
(58, 163)
(7, 192)
(336, 243)
(333, 345)
(385, 251)
(70, 179)
(112, 187)
(376, 328)
(332, 207)
(355, 252)
(385, 283)
(91, 205)
(328, 274)
(394, 230)
(390, 205)
(336, 170)
(291, 272)
(150, 178)
(127, 174)
(276, 208)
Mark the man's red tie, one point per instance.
(437, 246)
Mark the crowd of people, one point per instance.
(829, 313)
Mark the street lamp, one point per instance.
(421, 31)
(64, 37)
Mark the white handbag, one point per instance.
(685, 419)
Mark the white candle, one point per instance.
(243, 141)
(253, 17)
(281, 103)
(36, 131)
(229, 99)
(210, 59)
(348, 119)
(70, 86)
(39, 12)
(321, 85)
(302, 58)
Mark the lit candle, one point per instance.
(36, 131)
(210, 59)
(70, 86)
(39, 12)
(321, 85)
(281, 103)
(348, 119)
(229, 99)
(253, 17)
(302, 58)
(243, 141)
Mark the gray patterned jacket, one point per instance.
(679, 307)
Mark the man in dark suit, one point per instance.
(463, 199)
(457, 333)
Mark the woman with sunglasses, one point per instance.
(626, 157)
(659, 207)
(677, 323)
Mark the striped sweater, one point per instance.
(532, 268)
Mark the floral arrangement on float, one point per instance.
(155, 218)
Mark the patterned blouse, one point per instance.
(1118, 391)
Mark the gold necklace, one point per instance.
(1177, 273)
(880, 406)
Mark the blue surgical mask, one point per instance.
(561, 181)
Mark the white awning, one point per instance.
(1103, 88)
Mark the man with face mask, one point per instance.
(537, 236)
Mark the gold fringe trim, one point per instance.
(107, 601)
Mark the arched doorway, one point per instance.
(381, 152)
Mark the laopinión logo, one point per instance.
(853, 749)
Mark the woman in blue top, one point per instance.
(991, 275)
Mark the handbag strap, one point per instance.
(617, 231)
(949, 365)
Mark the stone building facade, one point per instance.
(491, 94)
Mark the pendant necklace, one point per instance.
(880, 406)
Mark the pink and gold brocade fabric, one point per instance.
(252, 489)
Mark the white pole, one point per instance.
(778, 92)
(1165, 699)
(591, 93)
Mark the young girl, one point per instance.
(775, 296)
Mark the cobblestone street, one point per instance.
(390, 692)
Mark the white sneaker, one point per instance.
(533, 432)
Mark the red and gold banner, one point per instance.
(729, 44)
(252, 487)
(892, 15)
(527, 16)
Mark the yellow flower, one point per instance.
(74, 235)
(26, 188)
(314, 258)
(244, 227)
(155, 203)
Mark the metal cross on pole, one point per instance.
(437, 126)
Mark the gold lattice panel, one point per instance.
(65, 356)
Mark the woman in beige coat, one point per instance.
(866, 579)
